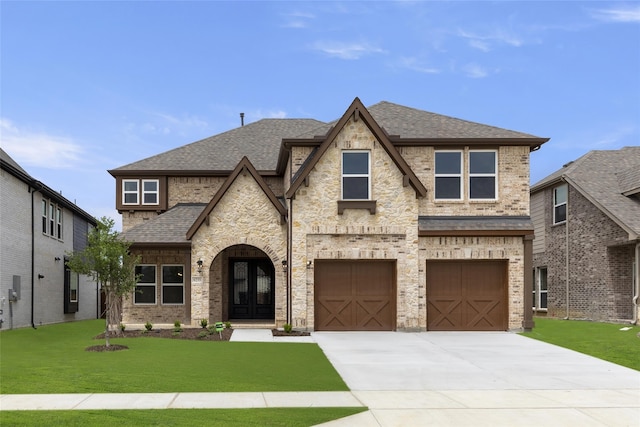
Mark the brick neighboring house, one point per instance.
(388, 218)
(587, 245)
(37, 228)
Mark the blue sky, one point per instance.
(90, 86)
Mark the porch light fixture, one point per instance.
(309, 264)
(284, 265)
(199, 262)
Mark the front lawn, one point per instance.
(276, 417)
(52, 359)
(602, 340)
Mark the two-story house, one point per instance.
(586, 253)
(38, 227)
(389, 218)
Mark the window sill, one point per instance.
(357, 204)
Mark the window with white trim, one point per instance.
(356, 175)
(130, 191)
(172, 284)
(145, 292)
(52, 219)
(483, 182)
(45, 216)
(560, 204)
(150, 191)
(540, 288)
(59, 223)
(448, 175)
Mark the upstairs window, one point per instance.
(560, 204)
(149, 191)
(145, 292)
(52, 219)
(482, 175)
(140, 192)
(45, 216)
(448, 175)
(130, 192)
(356, 175)
(59, 223)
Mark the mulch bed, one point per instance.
(185, 334)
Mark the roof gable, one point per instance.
(244, 166)
(359, 112)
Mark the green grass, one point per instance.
(602, 340)
(52, 359)
(277, 417)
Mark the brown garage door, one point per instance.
(466, 295)
(354, 295)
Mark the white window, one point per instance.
(356, 173)
(560, 204)
(483, 182)
(448, 174)
(59, 223)
(145, 292)
(130, 192)
(540, 288)
(45, 216)
(172, 284)
(150, 191)
(52, 219)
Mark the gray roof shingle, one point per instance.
(170, 227)
(260, 141)
(603, 177)
(474, 223)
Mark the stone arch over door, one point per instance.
(244, 283)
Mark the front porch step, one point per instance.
(252, 324)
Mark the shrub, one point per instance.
(204, 323)
(287, 328)
(203, 334)
(148, 326)
(122, 327)
(176, 326)
(212, 329)
(227, 325)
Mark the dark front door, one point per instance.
(252, 286)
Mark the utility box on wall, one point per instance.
(14, 292)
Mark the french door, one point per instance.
(251, 292)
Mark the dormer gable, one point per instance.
(358, 112)
(244, 167)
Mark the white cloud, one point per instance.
(159, 123)
(475, 71)
(297, 19)
(348, 51)
(269, 114)
(485, 42)
(415, 64)
(37, 149)
(618, 14)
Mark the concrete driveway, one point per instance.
(464, 378)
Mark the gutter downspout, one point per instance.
(33, 252)
(566, 254)
(636, 288)
(289, 263)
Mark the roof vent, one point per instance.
(567, 164)
(241, 119)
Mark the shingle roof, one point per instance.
(260, 141)
(603, 177)
(6, 158)
(170, 227)
(434, 225)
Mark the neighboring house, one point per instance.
(38, 227)
(389, 218)
(587, 246)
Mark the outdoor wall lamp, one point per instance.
(284, 265)
(309, 264)
(40, 276)
(199, 262)
(56, 259)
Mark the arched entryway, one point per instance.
(242, 284)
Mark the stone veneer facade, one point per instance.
(245, 220)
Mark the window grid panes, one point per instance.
(45, 216)
(59, 223)
(172, 284)
(130, 191)
(540, 288)
(52, 219)
(482, 175)
(146, 288)
(560, 204)
(355, 175)
(150, 191)
(448, 176)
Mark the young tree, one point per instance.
(107, 259)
